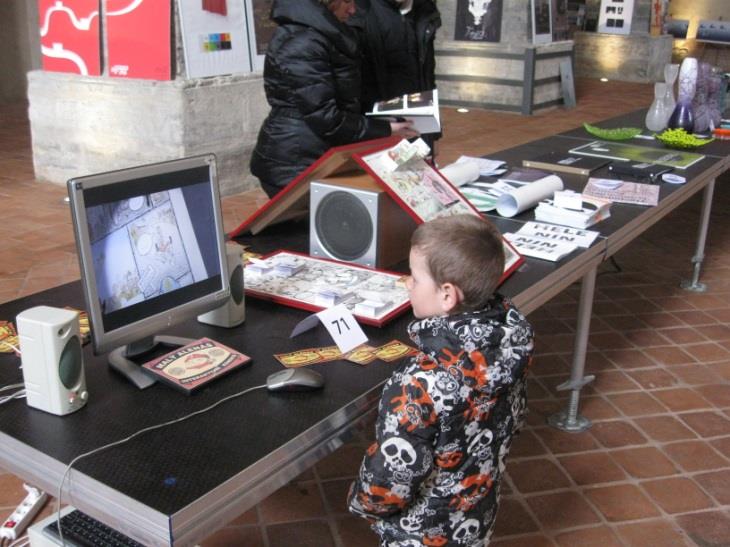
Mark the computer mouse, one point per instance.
(294, 379)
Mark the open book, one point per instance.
(420, 108)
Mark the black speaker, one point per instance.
(233, 312)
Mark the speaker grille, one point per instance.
(237, 284)
(343, 226)
(69, 364)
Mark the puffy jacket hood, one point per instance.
(313, 14)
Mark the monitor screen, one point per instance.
(151, 247)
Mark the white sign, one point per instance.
(339, 322)
(559, 234)
(615, 16)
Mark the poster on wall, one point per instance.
(615, 16)
(541, 22)
(138, 39)
(214, 37)
(478, 20)
(260, 30)
(69, 32)
(560, 25)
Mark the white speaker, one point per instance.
(53, 363)
(355, 220)
(233, 312)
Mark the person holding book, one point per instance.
(447, 415)
(312, 82)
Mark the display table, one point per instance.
(178, 484)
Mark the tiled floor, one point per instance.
(655, 468)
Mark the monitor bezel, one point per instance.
(106, 340)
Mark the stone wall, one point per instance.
(83, 125)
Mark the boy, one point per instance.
(447, 416)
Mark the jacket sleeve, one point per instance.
(402, 455)
(305, 65)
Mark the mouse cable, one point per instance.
(16, 395)
(129, 438)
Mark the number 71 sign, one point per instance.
(340, 323)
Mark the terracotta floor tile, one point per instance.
(717, 394)
(11, 490)
(343, 462)
(308, 533)
(540, 410)
(609, 340)
(707, 424)
(695, 374)
(722, 316)
(622, 502)
(592, 468)
(597, 408)
(616, 434)
(295, 501)
(355, 532)
(716, 332)
(707, 528)
(621, 323)
(681, 399)
(562, 510)
(707, 352)
(660, 320)
(561, 442)
(653, 378)
(629, 358)
(536, 475)
(673, 303)
(238, 535)
(513, 519)
(682, 335)
(335, 495)
(549, 364)
(664, 493)
(652, 532)
(637, 403)
(664, 428)
(722, 446)
(644, 462)
(695, 456)
(535, 390)
(611, 381)
(717, 484)
(596, 361)
(669, 355)
(600, 536)
(526, 444)
(524, 541)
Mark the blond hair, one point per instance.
(464, 250)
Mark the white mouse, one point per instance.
(294, 379)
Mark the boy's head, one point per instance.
(456, 263)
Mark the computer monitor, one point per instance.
(151, 247)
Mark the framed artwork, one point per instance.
(615, 16)
(214, 37)
(560, 26)
(70, 36)
(138, 38)
(374, 297)
(260, 30)
(541, 22)
(478, 20)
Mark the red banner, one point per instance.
(138, 39)
(70, 36)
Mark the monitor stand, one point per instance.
(120, 359)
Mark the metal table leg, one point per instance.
(694, 284)
(569, 419)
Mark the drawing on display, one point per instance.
(145, 235)
(478, 20)
(69, 32)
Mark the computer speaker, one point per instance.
(53, 362)
(233, 312)
(357, 221)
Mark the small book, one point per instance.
(421, 108)
(594, 210)
(522, 176)
(567, 163)
(189, 367)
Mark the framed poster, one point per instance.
(541, 22)
(138, 34)
(560, 26)
(214, 37)
(260, 30)
(615, 16)
(70, 36)
(478, 20)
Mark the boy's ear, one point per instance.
(451, 297)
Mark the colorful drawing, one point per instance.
(70, 36)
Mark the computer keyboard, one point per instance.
(80, 530)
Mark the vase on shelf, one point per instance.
(656, 116)
(713, 101)
(683, 115)
(699, 101)
(671, 71)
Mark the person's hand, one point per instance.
(403, 129)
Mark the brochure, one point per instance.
(635, 193)
(594, 210)
(420, 108)
(679, 159)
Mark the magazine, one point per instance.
(617, 191)
(679, 159)
(420, 108)
(190, 367)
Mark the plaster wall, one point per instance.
(21, 51)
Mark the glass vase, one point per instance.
(682, 117)
(656, 116)
(671, 71)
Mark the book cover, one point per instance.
(190, 367)
(616, 191)
(422, 109)
(567, 163)
(679, 159)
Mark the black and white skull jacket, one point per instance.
(445, 423)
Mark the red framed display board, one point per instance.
(70, 36)
(373, 296)
(416, 186)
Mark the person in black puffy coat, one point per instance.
(312, 82)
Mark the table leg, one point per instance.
(569, 419)
(694, 284)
